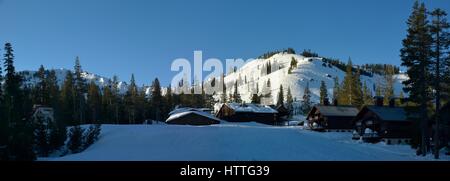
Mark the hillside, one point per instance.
(312, 70)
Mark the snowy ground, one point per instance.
(233, 142)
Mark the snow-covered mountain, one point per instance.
(31, 79)
(308, 70)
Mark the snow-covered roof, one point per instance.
(389, 113)
(255, 108)
(184, 113)
(186, 109)
(338, 110)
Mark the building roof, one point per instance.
(389, 113)
(185, 113)
(185, 109)
(345, 111)
(253, 108)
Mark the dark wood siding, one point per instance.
(228, 114)
(385, 128)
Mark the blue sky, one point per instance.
(118, 37)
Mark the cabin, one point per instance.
(42, 112)
(331, 118)
(237, 112)
(383, 123)
(192, 116)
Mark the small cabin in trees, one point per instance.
(237, 112)
(44, 113)
(383, 123)
(331, 118)
(192, 116)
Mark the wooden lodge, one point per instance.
(383, 123)
(192, 116)
(331, 118)
(237, 112)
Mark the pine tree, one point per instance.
(336, 89)
(80, 91)
(223, 98)
(57, 134)
(53, 89)
(357, 92)
(116, 101)
(389, 86)
(94, 102)
(42, 136)
(56, 128)
(42, 92)
(130, 100)
(142, 106)
(68, 101)
(290, 101)
(236, 95)
(20, 132)
(306, 100)
(91, 135)
(293, 65)
(268, 91)
(169, 99)
(416, 55)
(280, 100)
(255, 99)
(440, 44)
(367, 95)
(107, 108)
(323, 92)
(347, 85)
(3, 121)
(156, 100)
(76, 139)
(378, 90)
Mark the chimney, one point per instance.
(326, 102)
(378, 100)
(335, 102)
(392, 102)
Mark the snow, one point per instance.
(256, 108)
(233, 142)
(183, 113)
(308, 70)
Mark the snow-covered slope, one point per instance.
(312, 70)
(233, 142)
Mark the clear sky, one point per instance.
(144, 36)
